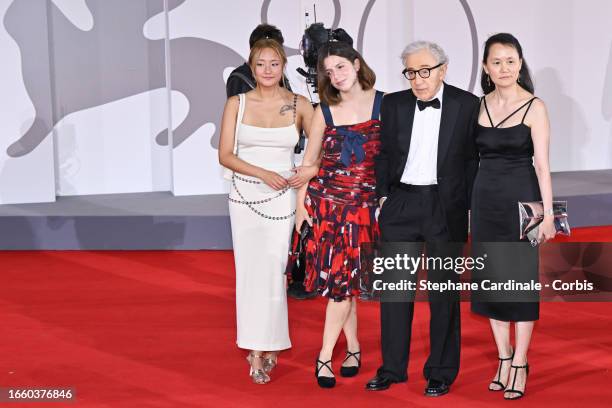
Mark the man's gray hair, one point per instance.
(432, 47)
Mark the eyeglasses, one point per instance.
(423, 72)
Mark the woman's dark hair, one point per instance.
(327, 93)
(266, 31)
(524, 79)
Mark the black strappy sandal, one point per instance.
(324, 382)
(351, 371)
(498, 380)
(512, 389)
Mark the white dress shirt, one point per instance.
(421, 166)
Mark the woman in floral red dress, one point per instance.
(339, 202)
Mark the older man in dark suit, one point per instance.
(424, 176)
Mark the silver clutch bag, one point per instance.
(531, 215)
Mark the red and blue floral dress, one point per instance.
(342, 202)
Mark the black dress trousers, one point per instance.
(414, 214)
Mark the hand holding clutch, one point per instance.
(546, 230)
(531, 215)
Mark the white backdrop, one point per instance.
(112, 144)
(29, 178)
(110, 147)
(59, 70)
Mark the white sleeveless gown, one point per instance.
(261, 244)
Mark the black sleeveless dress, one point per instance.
(506, 175)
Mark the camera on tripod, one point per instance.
(316, 36)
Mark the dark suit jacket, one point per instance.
(457, 155)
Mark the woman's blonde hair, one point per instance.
(261, 45)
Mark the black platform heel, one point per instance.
(351, 371)
(512, 389)
(498, 380)
(324, 382)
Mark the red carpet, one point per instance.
(157, 329)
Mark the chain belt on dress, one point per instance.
(250, 204)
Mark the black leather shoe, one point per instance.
(379, 383)
(436, 388)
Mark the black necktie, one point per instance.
(434, 103)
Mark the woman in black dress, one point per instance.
(512, 137)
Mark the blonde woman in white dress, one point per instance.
(258, 133)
